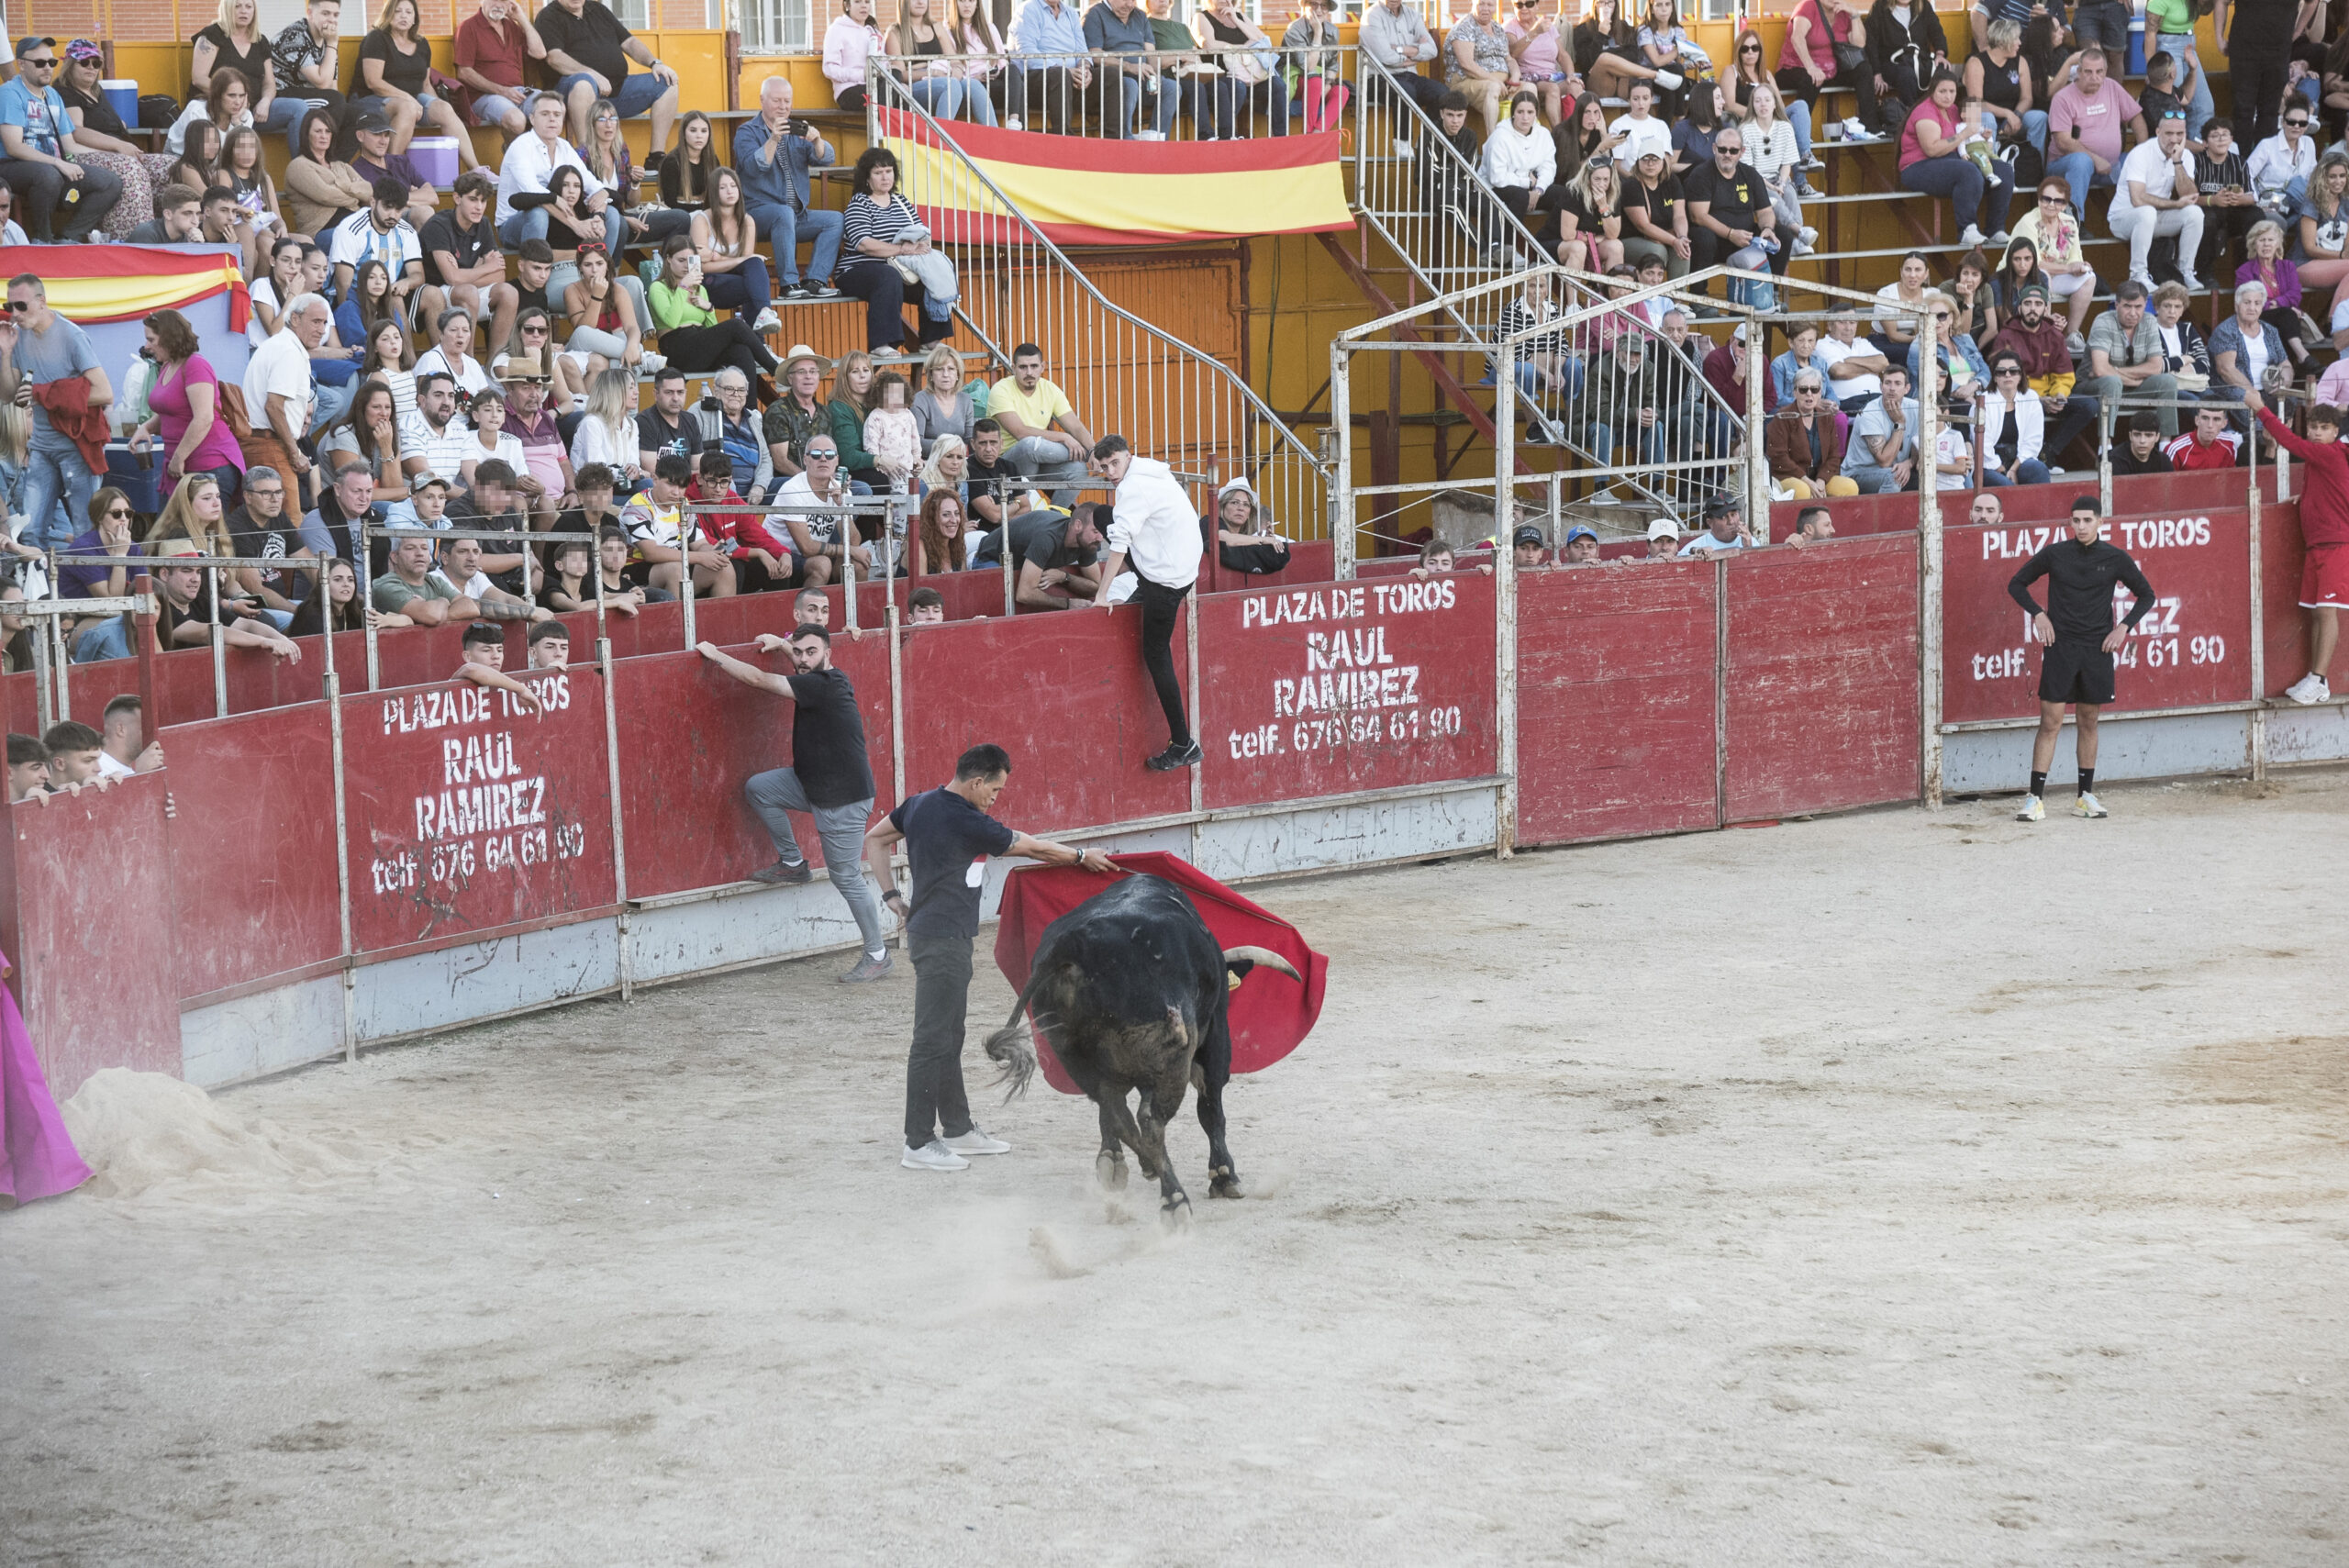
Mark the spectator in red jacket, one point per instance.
(2325, 529)
(760, 560)
(2208, 445)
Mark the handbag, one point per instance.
(1249, 66)
(1849, 57)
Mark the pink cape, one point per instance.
(40, 1160)
(1270, 1013)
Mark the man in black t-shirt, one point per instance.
(829, 778)
(1655, 220)
(2076, 631)
(588, 49)
(462, 265)
(949, 838)
(1728, 211)
(1057, 554)
(666, 428)
(263, 529)
(992, 480)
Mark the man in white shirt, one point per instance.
(1853, 386)
(2156, 194)
(1397, 36)
(435, 439)
(1641, 130)
(530, 161)
(279, 394)
(125, 727)
(460, 570)
(818, 537)
(1154, 528)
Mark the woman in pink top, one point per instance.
(185, 406)
(1932, 165)
(851, 36)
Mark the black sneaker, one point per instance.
(868, 968)
(794, 290)
(784, 874)
(1174, 757)
(823, 289)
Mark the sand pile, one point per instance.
(138, 1130)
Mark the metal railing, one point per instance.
(1120, 373)
(1194, 95)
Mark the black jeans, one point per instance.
(1158, 607)
(886, 295)
(729, 341)
(935, 1101)
(2258, 82)
(1796, 83)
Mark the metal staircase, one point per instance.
(1122, 374)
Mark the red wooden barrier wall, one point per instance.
(1345, 687)
(2133, 497)
(1821, 679)
(92, 917)
(1615, 706)
(2283, 623)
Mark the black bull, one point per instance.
(1130, 989)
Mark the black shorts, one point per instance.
(2076, 673)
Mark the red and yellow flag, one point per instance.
(90, 283)
(1084, 191)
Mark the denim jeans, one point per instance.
(935, 1100)
(54, 472)
(840, 829)
(2029, 471)
(788, 231)
(1129, 89)
(532, 225)
(2078, 170)
(332, 402)
(1875, 481)
(110, 638)
(1041, 459)
(1972, 199)
(744, 289)
(285, 114)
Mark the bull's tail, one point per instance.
(1010, 1049)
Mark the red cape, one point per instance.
(1270, 1013)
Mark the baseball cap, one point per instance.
(372, 122)
(1582, 530)
(1528, 534)
(2034, 288)
(83, 49)
(1664, 528)
(1719, 506)
(33, 42)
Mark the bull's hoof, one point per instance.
(1109, 1171)
(1174, 1214)
(1224, 1182)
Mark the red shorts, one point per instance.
(2324, 578)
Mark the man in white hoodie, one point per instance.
(1154, 528)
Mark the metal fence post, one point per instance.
(1341, 500)
(342, 851)
(220, 648)
(2258, 640)
(2104, 425)
(1757, 461)
(1505, 604)
(1929, 565)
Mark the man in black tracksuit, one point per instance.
(2077, 630)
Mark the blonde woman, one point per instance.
(607, 434)
(947, 405)
(921, 40)
(395, 65)
(194, 513)
(1590, 218)
(1772, 148)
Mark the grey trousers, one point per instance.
(840, 829)
(2106, 390)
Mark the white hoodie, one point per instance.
(1528, 159)
(1154, 525)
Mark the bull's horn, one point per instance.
(1266, 957)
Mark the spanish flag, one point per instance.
(90, 283)
(1084, 191)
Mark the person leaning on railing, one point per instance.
(1393, 34)
(1119, 34)
(920, 43)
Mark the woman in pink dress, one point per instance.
(187, 412)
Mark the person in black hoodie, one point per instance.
(1907, 49)
(2141, 449)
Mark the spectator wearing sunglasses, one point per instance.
(37, 154)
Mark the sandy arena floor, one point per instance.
(1890, 1189)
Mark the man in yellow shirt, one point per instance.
(1049, 443)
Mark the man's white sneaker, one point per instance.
(977, 1142)
(1402, 149)
(2310, 689)
(768, 321)
(1973, 235)
(933, 1156)
(1011, 122)
(1803, 246)
(652, 364)
(2088, 805)
(2192, 283)
(1150, 136)
(2032, 811)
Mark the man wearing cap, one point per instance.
(1663, 540)
(1655, 216)
(1724, 528)
(1525, 548)
(376, 163)
(2036, 338)
(773, 153)
(1581, 547)
(38, 152)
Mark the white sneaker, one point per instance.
(933, 1156)
(1810, 235)
(2310, 689)
(1973, 236)
(2001, 237)
(977, 1142)
(2076, 345)
(1011, 122)
(1150, 136)
(1402, 149)
(2193, 284)
(1667, 80)
(768, 321)
(2032, 811)
(1802, 246)
(2088, 805)
(652, 364)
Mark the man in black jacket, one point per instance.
(2077, 630)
